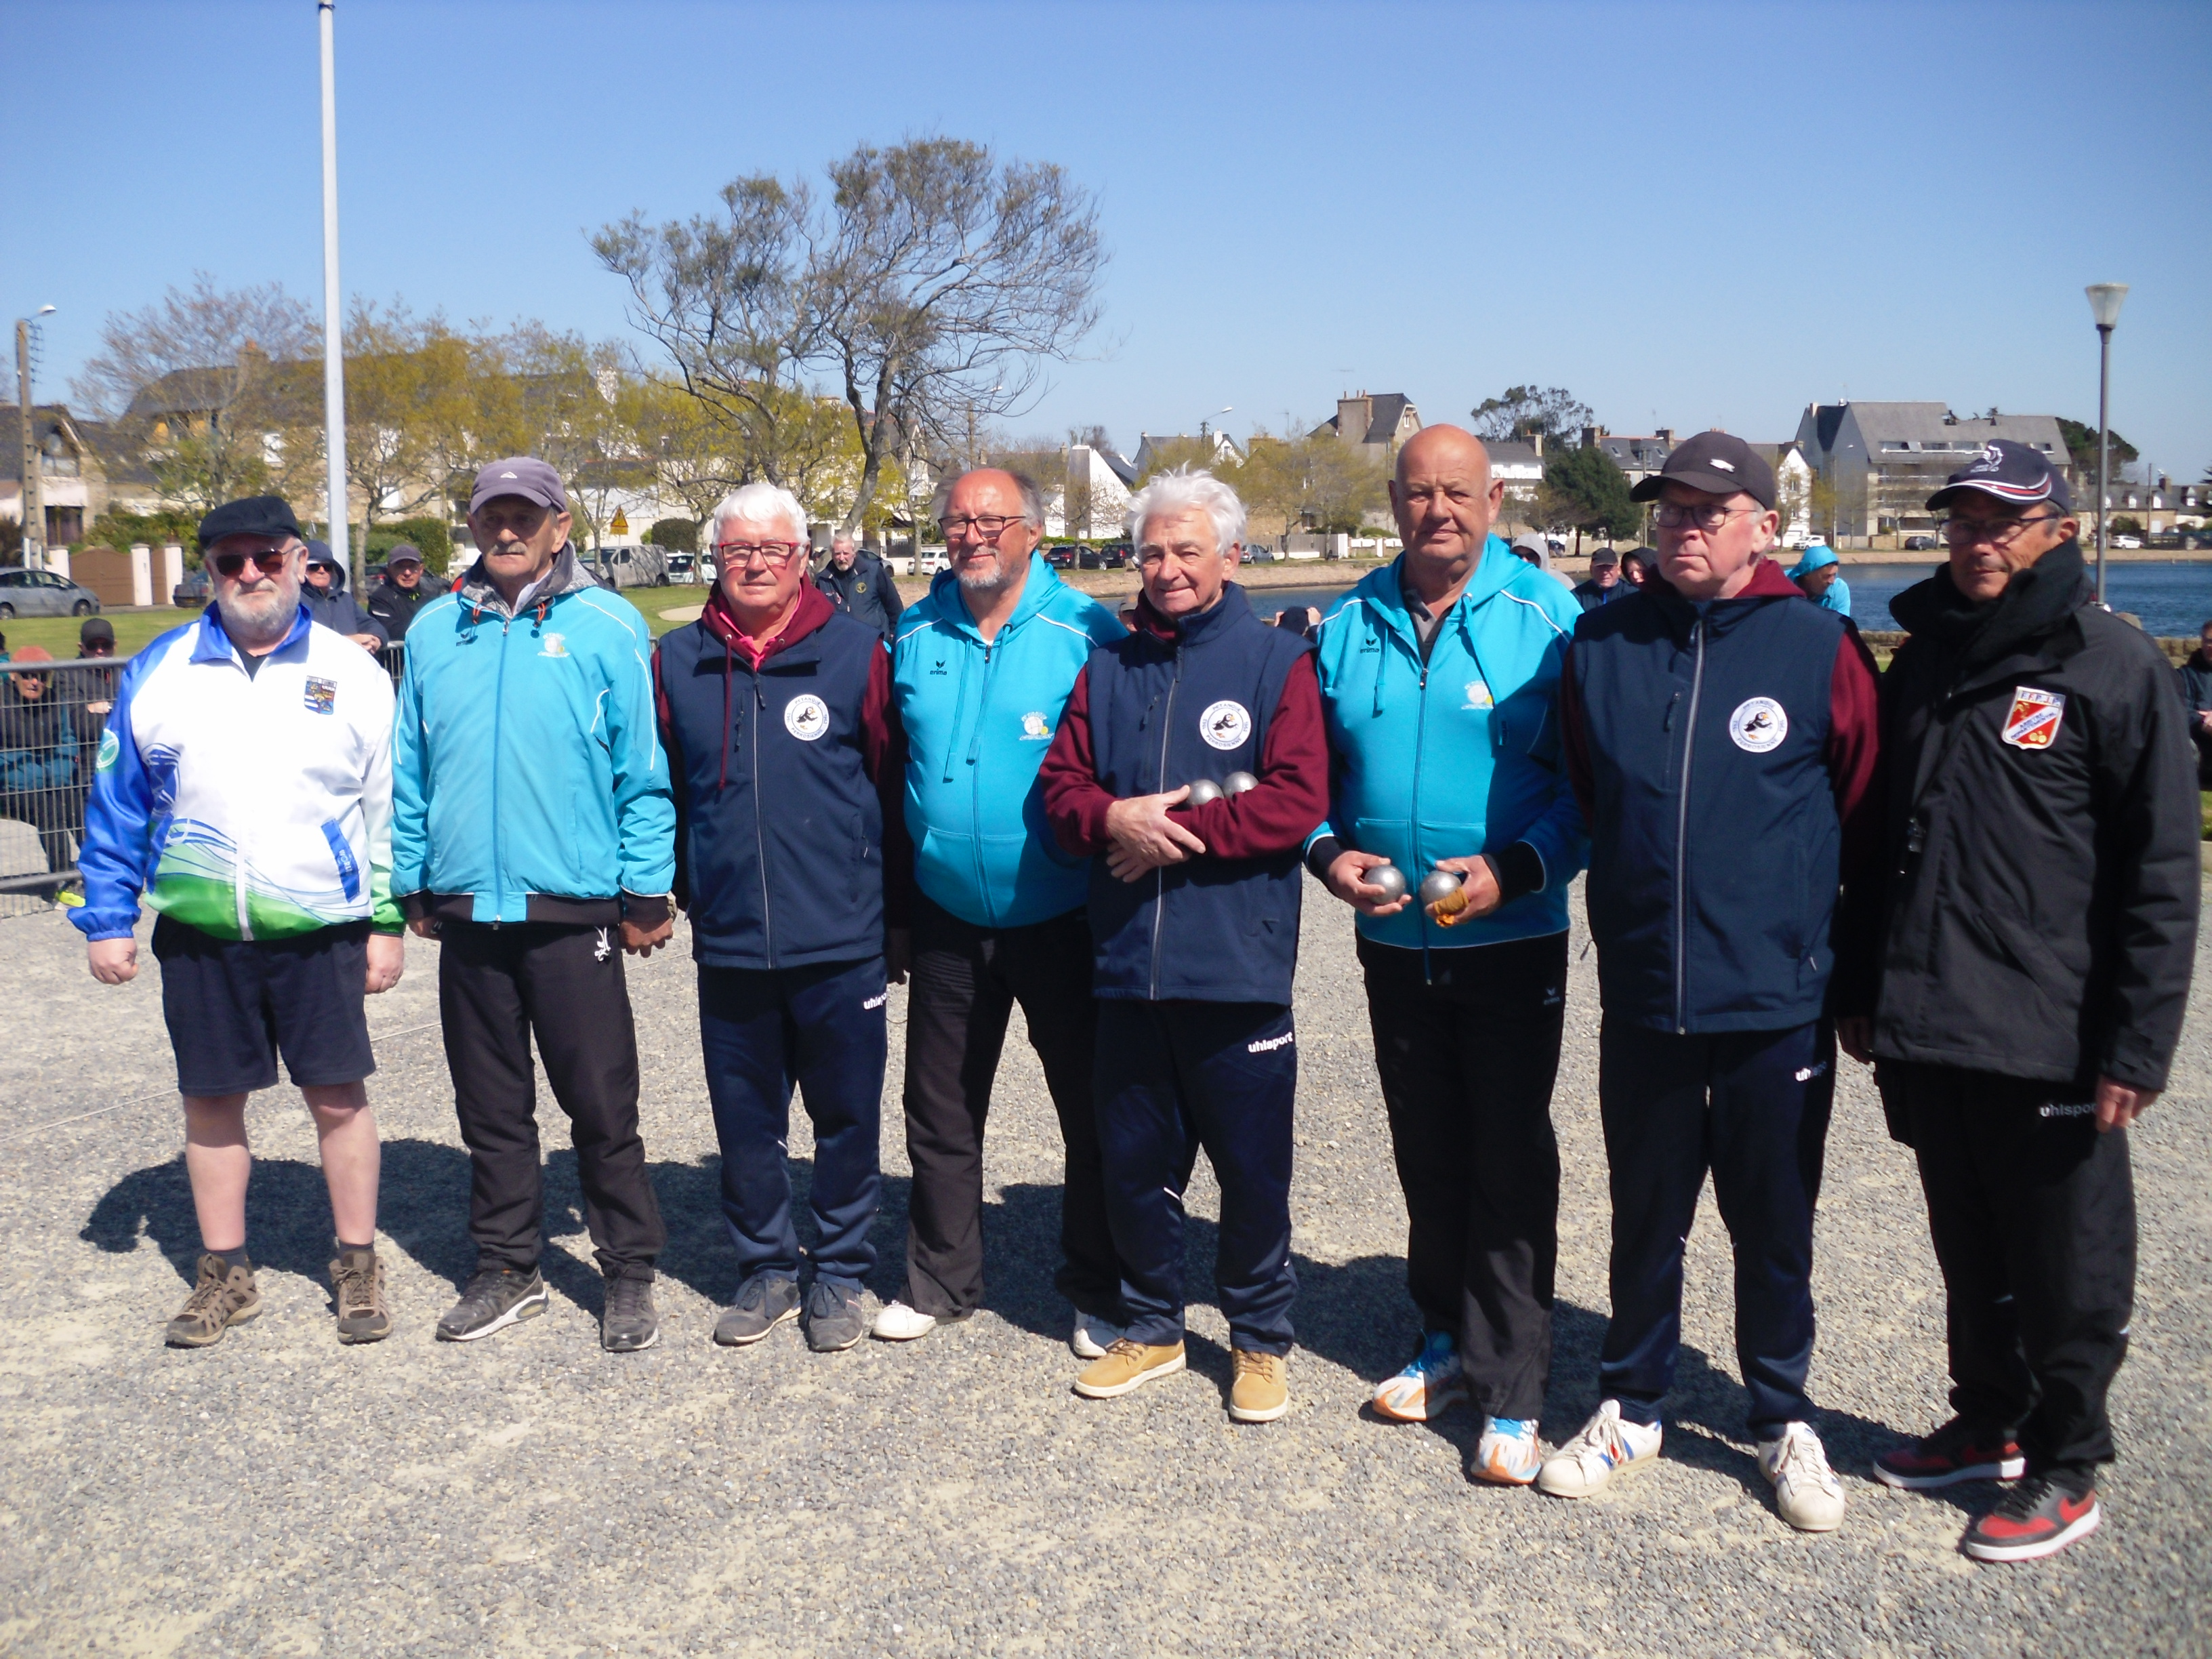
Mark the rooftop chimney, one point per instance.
(1591, 434)
(1667, 435)
(1536, 443)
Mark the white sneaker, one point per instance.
(1094, 1333)
(1507, 1455)
(1607, 1443)
(896, 1322)
(1806, 1490)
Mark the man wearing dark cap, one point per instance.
(534, 836)
(2033, 936)
(1720, 733)
(401, 593)
(1604, 586)
(244, 787)
(95, 687)
(328, 602)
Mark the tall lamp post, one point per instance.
(334, 446)
(30, 500)
(2105, 301)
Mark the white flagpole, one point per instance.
(333, 317)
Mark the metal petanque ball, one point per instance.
(1388, 877)
(1238, 783)
(1205, 790)
(1438, 885)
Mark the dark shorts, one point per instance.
(230, 1005)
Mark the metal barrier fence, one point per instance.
(52, 715)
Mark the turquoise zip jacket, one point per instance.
(528, 782)
(1458, 754)
(978, 719)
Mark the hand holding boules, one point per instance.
(1464, 889)
(1368, 882)
(1144, 838)
(1204, 792)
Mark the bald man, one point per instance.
(1439, 679)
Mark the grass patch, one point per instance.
(134, 630)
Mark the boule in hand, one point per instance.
(1388, 877)
(1238, 783)
(1443, 894)
(1205, 790)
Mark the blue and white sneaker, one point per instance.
(1608, 1443)
(1507, 1455)
(1428, 1387)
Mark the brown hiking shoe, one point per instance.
(1261, 1392)
(224, 1297)
(357, 1285)
(1128, 1365)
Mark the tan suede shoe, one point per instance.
(1128, 1365)
(1261, 1392)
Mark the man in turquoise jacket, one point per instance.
(1439, 680)
(979, 669)
(534, 836)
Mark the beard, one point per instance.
(259, 618)
(976, 580)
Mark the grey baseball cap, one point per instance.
(519, 475)
(403, 553)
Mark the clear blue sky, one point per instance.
(1688, 214)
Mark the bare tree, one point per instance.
(1526, 412)
(931, 283)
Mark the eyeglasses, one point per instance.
(271, 563)
(776, 556)
(988, 526)
(1997, 532)
(1669, 516)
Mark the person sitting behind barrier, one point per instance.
(95, 689)
(38, 757)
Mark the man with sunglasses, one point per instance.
(791, 859)
(533, 836)
(244, 786)
(2034, 940)
(1720, 736)
(981, 669)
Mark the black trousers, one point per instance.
(496, 988)
(1468, 1053)
(2034, 1217)
(965, 982)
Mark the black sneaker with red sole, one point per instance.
(1957, 1451)
(2039, 1518)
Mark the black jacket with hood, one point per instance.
(2037, 917)
(336, 608)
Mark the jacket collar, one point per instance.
(1198, 629)
(812, 612)
(1767, 583)
(1385, 590)
(2037, 604)
(566, 577)
(215, 645)
(1039, 589)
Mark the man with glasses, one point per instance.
(244, 786)
(533, 836)
(2034, 945)
(1721, 735)
(980, 669)
(791, 859)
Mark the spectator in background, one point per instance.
(328, 602)
(1604, 586)
(2196, 692)
(1635, 565)
(401, 593)
(859, 584)
(38, 756)
(1820, 577)
(96, 687)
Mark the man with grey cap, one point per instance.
(1604, 586)
(533, 835)
(401, 593)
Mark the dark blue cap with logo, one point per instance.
(2018, 474)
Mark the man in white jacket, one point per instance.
(244, 786)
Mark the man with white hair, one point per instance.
(857, 583)
(1189, 767)
(791, 859)
(980, 670)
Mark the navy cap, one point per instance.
(1717, 463)
(2011, 471)
(519, 475)
(257, 515)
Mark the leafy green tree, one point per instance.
(1584, 488)
(677, 535)
(1522, 412)
(2081, 445)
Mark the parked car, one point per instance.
(1061, 557)
(1118, 555)
(192, 593)
(682, 568)
(2127, 541)
(42, 594)
(1920, 544)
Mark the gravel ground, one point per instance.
(281, 1494)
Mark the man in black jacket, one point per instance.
(2032, 952)
(395, 600)
(2196, 692)
(858, 585)
(323, 596)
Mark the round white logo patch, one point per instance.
(1225, 725)
(807, 718)
(1759, 724)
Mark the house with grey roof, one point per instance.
(1880, 462)
(1378, 422)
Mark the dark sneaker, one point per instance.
(764, 1302)
(1957, 1451)
(630, 1322)
(834, 1321)
(357, 1286)
(2039, 1516)
(224, 1297)
(494, 1300)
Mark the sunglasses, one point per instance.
(268, 564)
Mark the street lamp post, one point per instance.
(1206, 427)
(2105, 301)
(30, 500)
(334, 434)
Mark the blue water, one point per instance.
(2172, 596)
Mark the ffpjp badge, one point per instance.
(2033, 722)
(322, 696)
